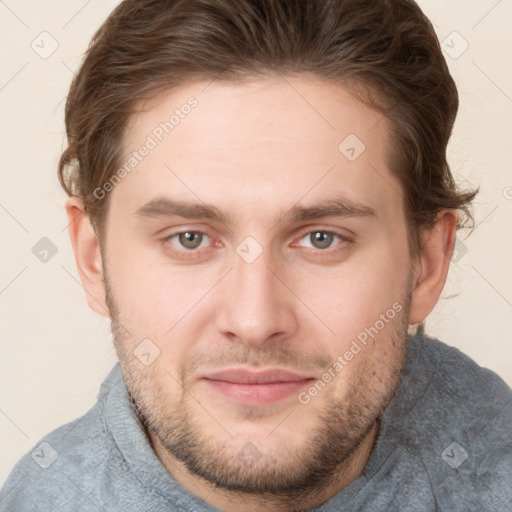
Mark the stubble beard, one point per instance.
(287, 477)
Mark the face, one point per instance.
(263, 258)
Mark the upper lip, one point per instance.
(244, 376)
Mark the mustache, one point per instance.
(280, 355)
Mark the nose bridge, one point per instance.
(255, 304)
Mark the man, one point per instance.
(260, 201)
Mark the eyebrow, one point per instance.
(332, 207)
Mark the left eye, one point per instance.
(321, 239)
(190, 239)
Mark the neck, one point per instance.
(230, 501)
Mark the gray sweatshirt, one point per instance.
(445, 444)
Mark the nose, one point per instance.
(256, 303)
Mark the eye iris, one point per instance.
(322, 239)
(190, 240)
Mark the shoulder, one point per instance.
(461, 375)
(61, 468)
(41, 476)
(463, 396)
(460, 427)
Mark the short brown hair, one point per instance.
(387, 46)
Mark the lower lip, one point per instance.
(257, 394)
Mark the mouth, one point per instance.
(256, 388)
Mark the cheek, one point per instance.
(160, 302)
(143, 299)
(353, 296)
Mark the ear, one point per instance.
(87, 255)
(432, 265)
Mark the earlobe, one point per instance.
(433, 265)
(87, 255)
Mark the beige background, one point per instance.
(55, 352)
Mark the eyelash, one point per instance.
(198, 252)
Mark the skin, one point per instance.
(254, 150)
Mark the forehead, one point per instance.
(278, 140)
